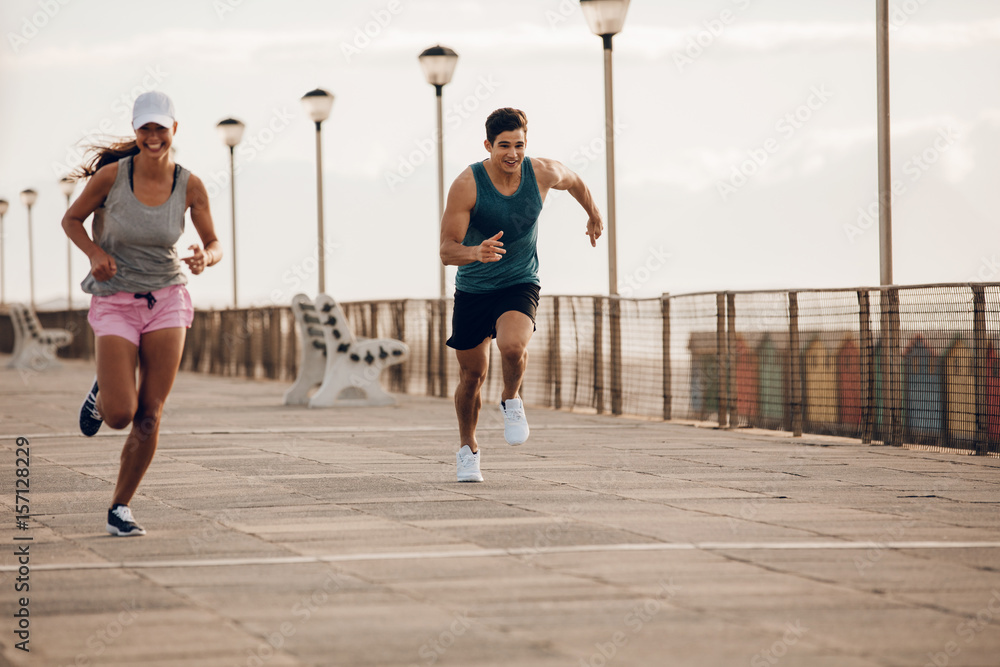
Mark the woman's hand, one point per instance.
(198, 260)
(102, 266)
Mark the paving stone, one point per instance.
(293, 537)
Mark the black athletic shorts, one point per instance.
(475, 316)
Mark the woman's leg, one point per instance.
(116, 361)
(159, 359)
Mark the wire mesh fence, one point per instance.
(899, 365)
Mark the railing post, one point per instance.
(614, 322)
(442, 370)
(373, 310)
(599, 354)
(979, 369)
(555, 356)
(732, 389)
(893, 371)
(396, 371)
(722, 358)
(429, 308)
(867, 398)
(667, 389)
(794, 366)
(249, 323)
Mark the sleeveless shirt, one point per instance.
(517, 216)
(140, 238)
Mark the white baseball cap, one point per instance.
(152, 107)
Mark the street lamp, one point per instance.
(606, 18)
(66, 186)
(28, 198)
(318, 104)
(231, 132)
(4, 205)
(438, 63)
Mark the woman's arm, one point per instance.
(201, 216)
(102, 265)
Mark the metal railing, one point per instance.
(897, 365)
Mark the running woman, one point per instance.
(139, 308)
(489, 230)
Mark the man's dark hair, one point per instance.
(505, 120)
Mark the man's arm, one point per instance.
(455, 223)
(553, 174)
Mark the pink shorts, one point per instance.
(130, 315)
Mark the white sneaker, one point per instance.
(515, 424)
(468, 465)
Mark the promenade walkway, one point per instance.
(289, 537)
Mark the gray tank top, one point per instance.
(140, 238)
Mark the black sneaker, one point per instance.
(90, 419)
(122, 523)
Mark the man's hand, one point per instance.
(490, 250)
(594, 229)
(102, 266)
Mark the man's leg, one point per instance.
(514, 330)
(472, 365)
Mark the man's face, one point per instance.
(507, 150)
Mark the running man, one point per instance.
(489, 230)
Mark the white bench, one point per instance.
(34, 347)
(346, 368)
(312, 351)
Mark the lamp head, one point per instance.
(28, 197)
(230, 131)
(67, 185)
(318, 104)
(438, 63)
(605, 17)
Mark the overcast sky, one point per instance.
(746, 146)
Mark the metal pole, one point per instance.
(440, 146)
(31, 261)
(615, 306)
(69, 268)
(884, 167)
(232, 203)
(319, 206)
(609, 138)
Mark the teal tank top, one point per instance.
(517, 216)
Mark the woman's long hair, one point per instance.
(103, 155)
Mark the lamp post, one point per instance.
(606, 18)
(4, 205)
(884, 165)
(318, 104)
(28, 198)
(231, 132)
(438, 63)
(66, 186)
